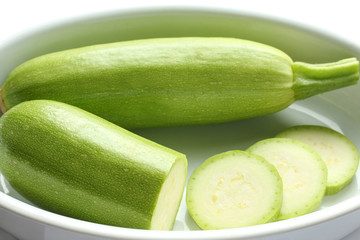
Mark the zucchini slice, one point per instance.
(234, 189)
(339, 153)
(302, 171)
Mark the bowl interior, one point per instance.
(338, 109)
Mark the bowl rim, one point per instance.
(39, 215)
(28, 211)
(138, 10)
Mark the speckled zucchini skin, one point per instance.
(172, 81)
(74, 163)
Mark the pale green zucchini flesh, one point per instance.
(174, 81)
(302, 171)
(337, 151)
(74, 163)
(234, 189)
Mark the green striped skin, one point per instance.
(74, 163)
(173, 81)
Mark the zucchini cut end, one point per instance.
(170, 197)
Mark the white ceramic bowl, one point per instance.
(337, 216)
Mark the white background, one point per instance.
(340, 17)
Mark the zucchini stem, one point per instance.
(313, 79)
(2, 104)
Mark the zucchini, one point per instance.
(339, 153)
(174, 81)
(234, 189)
(74, 163)
(302, 171)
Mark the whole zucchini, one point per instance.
(174, 81)
(74, 163)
